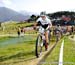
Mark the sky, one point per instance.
(37, 6)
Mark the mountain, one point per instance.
(7, 14)
(28, 13)
(25, 13)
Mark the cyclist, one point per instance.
(18, 31)
(45, 24)
(58, 32)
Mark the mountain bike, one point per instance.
(40, 42)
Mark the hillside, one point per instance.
(7, 14)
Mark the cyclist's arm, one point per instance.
(49, 25)
(35, 25)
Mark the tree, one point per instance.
(33, 17)
(0, 24)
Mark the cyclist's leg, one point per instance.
(46, 37)
(57, 37)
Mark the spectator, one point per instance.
(19, 31)
(22, 31)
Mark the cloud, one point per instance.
(40, 5)
(7, 2)
(49, 5)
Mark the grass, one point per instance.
(3, 39)
(69, 52)
(11, 27)
(68, 55)
(16, 24)
(18, 52)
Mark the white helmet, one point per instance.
(43, 13)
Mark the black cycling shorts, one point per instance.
(45, 26)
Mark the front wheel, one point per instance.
(39, 45)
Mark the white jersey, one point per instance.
(43, 22)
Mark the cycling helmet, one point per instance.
(43, 13)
